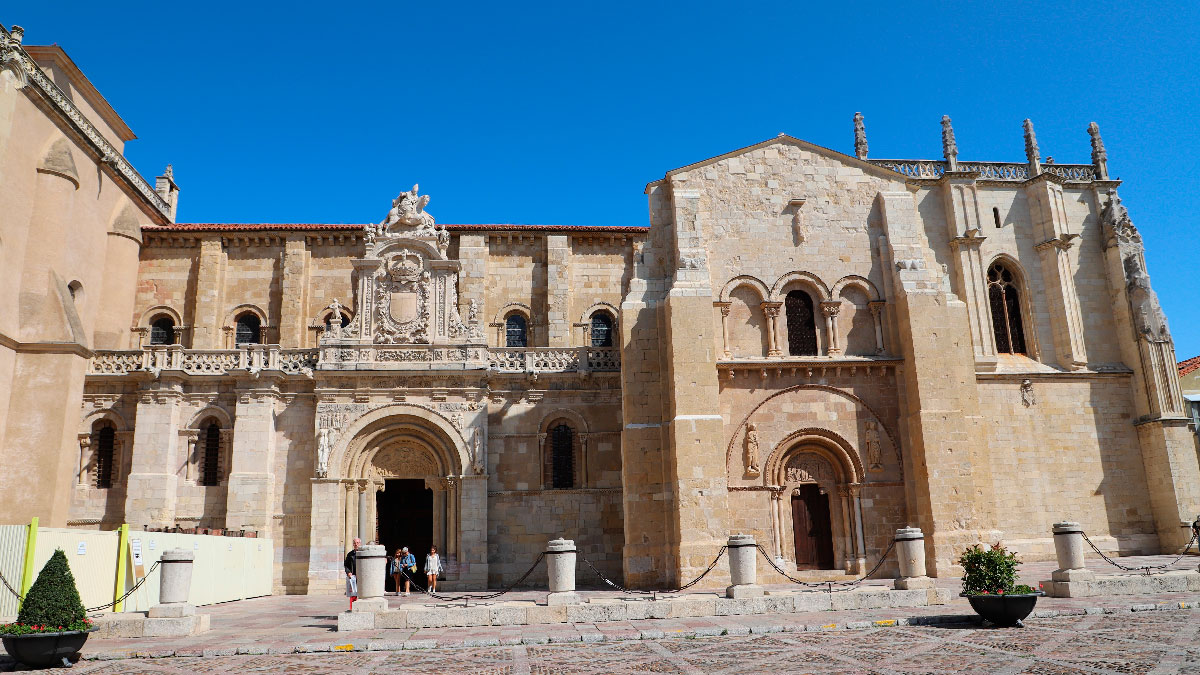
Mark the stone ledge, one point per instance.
(521, 613)
(138, 624)
(1175, 581)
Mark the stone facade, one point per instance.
(812, 348)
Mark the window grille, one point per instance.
(602, 330)
(105, 445)
(162, 331)
(210, 461)
(801, 324)
(562, 465)
(515, 331)
(249, 329)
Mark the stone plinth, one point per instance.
(743, 567)
(174, 589)
(370, 567)
(1068, 548)
(560, 569)
(910, 554)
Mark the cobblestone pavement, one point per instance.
(1140, 642)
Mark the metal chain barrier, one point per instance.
(127, 593)
(682, 588)
(11, 589)
(487, 596)
(1141, 568)
(828, 585)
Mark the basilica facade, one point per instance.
(813, 347)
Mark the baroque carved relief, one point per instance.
(402, 299)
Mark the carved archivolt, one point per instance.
(813, 456)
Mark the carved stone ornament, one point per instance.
(402, 299)
(750, 451)
(871, 441)
(403, 461)
(860, 137)
(408, 210)
(808, 468)
(1028, 398)
(324, 447)
(1148, 317)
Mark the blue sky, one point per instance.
(560, 113)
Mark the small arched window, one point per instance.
(801, 324)
(248, 330)
(210, 455)
(996, 216)
(329, 322)
(1006, 310)
(602, 329)
(162, 331)
(106, 439)
(516, 331)
(562, 457)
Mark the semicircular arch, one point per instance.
(822, 442)
(392, 423)
(801, 281)
(744, 280)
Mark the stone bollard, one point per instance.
(1068, 547)
(370, 566)
(910, 553)
(174, 585)
(743, 567)
(560, 568)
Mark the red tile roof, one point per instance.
(346, 227)
(1186, 367)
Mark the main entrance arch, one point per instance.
(399, 476)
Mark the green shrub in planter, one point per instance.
(990, 571)
(52, 603)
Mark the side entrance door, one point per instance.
(812, 529)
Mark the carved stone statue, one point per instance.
(871, 441)
(478, 461)
(1028, 399)
(473, 311)
(324, 447)
(409, 209)
(750, 452)
(335, 318)
(1148, 317)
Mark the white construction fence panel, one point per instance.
(225, 568)
(12, 555)
(92, 555)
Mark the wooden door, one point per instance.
(812, 529)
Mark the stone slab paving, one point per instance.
(1148, 642)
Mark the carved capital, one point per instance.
(876, 307)
(723, 306)
(771, 309)
(830, 308)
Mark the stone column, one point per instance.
(848, 526)
(777, 520)
(363, 519)
(1068, 548)
(771, 312)
(370, 566)
(175, 585)
(877, 316)
(910, 554)
(743, 568)
(830, 309)
(724, 307)
(189, 437)
(85, 443)
(351, 519)
(560, 568)
(860, 562)
(373, 488)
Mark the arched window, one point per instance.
(248, 330)
(515, 331)
(801, 324)
(329, 322)
(105, 444)
(162, 331)
(602, 329)
(562, 457)
(1006, 310)
(210, 455)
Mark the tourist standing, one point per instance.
(433, 567)
(351, 565)
(394, 569)
(408, 567)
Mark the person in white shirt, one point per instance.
(433, 567)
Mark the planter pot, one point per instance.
(39, 650)
(1004, 610)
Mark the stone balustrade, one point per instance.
(253, 358)
(928, 169)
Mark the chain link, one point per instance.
(1141, 568)
(684, 587)
(828, 585)
(129, 592)
(11, 589)
(488, 596)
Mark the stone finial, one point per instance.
(16, 34)
(949, 147)
(860, 137)
(170, 172)
(1099, 154)
(1031, 149)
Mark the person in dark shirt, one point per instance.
(352, 573)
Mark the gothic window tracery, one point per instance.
(248, 329)
(516, 331)
(602, 329)
(162, 331)
(801, 324)
(1004, 298)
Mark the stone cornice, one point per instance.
(45, 347)
(15, 58)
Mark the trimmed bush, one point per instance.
(53, 600)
